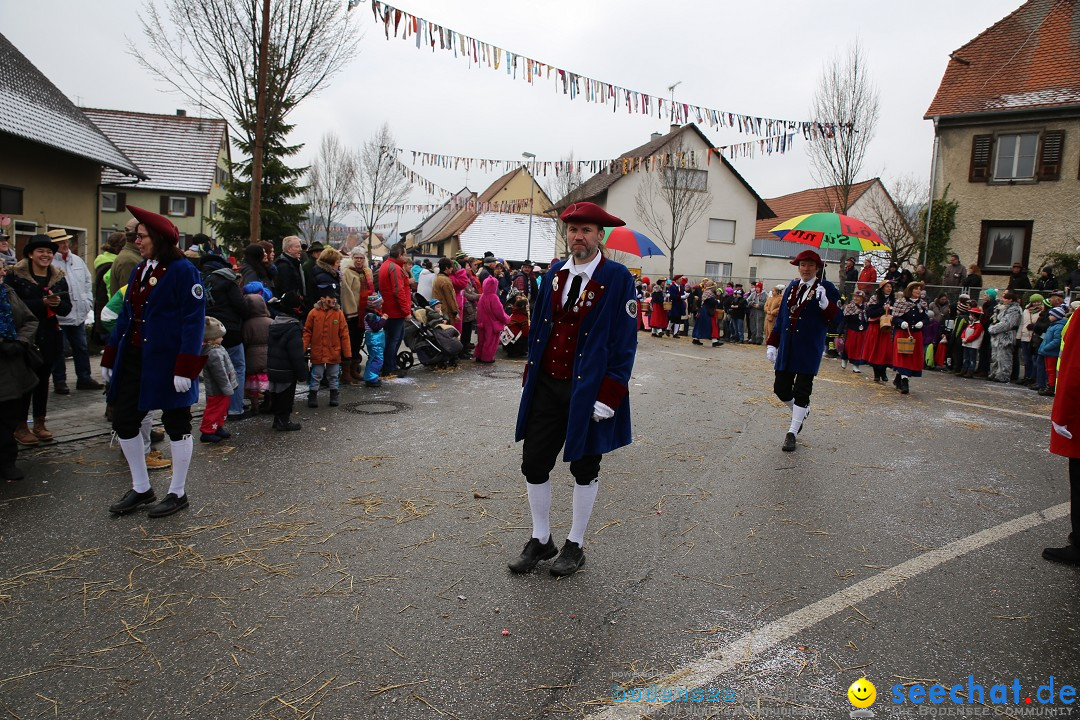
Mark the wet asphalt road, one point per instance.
(357, 569)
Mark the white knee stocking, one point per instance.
(798, 415)
(540, 506)
(584, 497)
(136, 460)
(181, 461)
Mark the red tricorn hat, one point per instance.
(587, 212)
(808, 255)
(158, 223)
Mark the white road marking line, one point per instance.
(998, 409)
(710, 667)
(692, 357)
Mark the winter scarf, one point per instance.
(7, 322)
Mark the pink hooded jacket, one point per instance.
(490, 314)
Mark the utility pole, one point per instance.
(260, 125)
(532, 189)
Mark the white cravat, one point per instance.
(150, 265)
(586, 271)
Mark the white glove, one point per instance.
(904, 325)
(106, 375)
(1062, 430)
(770, 354)
(181, 384)
(822, 298)
(601, 412)
(918, 325)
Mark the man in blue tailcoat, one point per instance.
(154, 358)
(798, 338)
(582, 342)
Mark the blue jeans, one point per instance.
(332, 372)
(74, 336)
(737, 328)
(1030, 358)
(1040, 372)
(236, 402)
(971, 358)
(394, 329)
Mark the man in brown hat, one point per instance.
(73, 325)
(581, 351)
(797, 340)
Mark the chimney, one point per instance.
(656, 136)
(181, 113)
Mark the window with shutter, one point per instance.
(190, 207)
(164, 205)
(1050, 155)
(980, 158)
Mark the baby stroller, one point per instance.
(433, 347)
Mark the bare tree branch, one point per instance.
(846, 101)
(207, 50)
(380, 185)
(331, 183)
(559, 187)
(896, 219)
(670, 200)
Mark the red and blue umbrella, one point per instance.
(630, 241)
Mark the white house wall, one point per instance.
(730, 201)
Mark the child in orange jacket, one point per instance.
(326, 335)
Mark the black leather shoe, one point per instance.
(570, 559)
(534, 552)
(157, 435)
(132, 501)
(61, 388)
(168, 506)
(1069, 555)
(789, 443)
(904, 387)
(9, 472)
(285, 425)
(90, 384)
(313, 399)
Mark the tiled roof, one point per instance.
(601, 181)
(179, 153)
(807, 201)
(457, 224)
(1030, 59)
(507, 235)
(31, 107)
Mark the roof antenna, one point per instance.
(671, 89)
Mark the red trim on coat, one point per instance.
(108, 356)
(612, 392)
(189, 366)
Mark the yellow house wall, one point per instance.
(151, 200)
(59, 190)
(1051, 205)
(519, 188)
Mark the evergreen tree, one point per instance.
(942, 223)
(281, 215)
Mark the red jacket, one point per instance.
(1066, 410)
(395, 290)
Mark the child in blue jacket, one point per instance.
(375, 340)
(1050, 347)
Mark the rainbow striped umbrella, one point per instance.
(830, 230)
(630, 241)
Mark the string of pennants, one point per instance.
(416, 179)
(479, 53)
(454, 203)
(543, 168)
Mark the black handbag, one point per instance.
(34, 358)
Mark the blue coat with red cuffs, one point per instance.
(603, 357)
(173, 312)
(799, 332)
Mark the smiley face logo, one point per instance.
(862, 693)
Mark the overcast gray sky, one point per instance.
(757, 58)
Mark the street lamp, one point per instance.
(532, 189)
